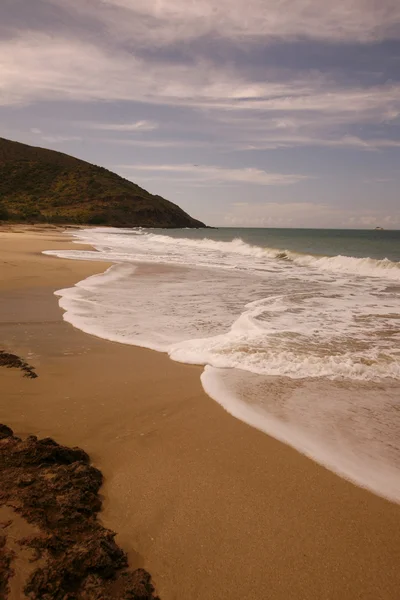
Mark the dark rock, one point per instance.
(5, 432)
(12, 361)
(25, 480)
(6, 571)
(56, 488)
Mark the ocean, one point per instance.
(298, 330)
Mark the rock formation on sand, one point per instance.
(53, 490)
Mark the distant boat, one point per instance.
(379, 229)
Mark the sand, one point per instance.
(211, 507)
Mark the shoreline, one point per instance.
(210, 506)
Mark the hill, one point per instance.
(40, 185)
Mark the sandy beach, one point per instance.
(210, 507)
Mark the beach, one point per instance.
(211, 507)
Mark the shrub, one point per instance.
(4, 214)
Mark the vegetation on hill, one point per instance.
(39, 185)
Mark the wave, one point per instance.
(342, 264)
(369, 267)
(139, 244)
(253, 355)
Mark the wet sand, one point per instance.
(211, 507)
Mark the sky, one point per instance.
(258, 113)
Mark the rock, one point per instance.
(5, 432)
(12, 361)
(56, 488)
(6, 571)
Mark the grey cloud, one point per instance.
(151, 22)
(307, 110)
(45, 16)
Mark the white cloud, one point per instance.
(39, 67)
(125, 127)
(203, 173)
(316, 95)
(158, 143)
(59, 139)
(347, 141)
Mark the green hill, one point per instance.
(39, 185)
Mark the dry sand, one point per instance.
(211, 507)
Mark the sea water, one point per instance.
(298, 330)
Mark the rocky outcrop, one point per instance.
(56, 489)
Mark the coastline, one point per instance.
(211, 507)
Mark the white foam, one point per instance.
(317, 326)
(368, 267)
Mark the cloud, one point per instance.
(333, 128)
(159, 143)
(158, 23)
(233, 108)
(378, 180)
(302, 214)
(60, 139)
(55, 139)
(203, 173)
(40, 67)
(347, 141)
(128, 127)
